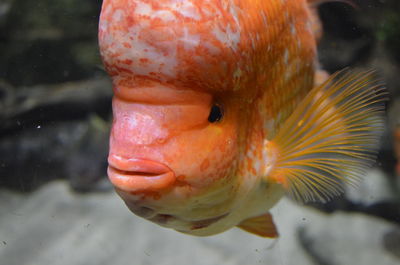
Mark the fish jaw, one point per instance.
(134, 175)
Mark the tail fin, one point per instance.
(331, 138)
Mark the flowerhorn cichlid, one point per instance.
(216, 115)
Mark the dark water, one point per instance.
(56, 205)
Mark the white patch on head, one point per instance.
(187, 9)
(253, 43)
(118, 15)
(139, 124)
(106, 10)
(227, 36)
(268, 158)
(293, 29)
(234, 14)
(211, 13)
(233, 36)
(103, 26)
(159, 62)
(278, 119)
(286, 57)
(298, 43)
(237, 76)
(219, 34)
(164, 15)
(264, 17)
(250, 155)
(211, 49)
(257, 165)
(309, 27)
(238, 73)
(230, 36)
(190, 41)
(143, 9)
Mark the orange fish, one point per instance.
(216, 117)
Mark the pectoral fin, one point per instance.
(331, 138)
(262, 225)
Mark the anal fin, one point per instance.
(262, 225)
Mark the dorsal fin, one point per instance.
(331, 138)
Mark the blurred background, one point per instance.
(55, 115)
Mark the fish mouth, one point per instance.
(134, 175)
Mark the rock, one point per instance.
(348, 239)
(391, 241)
(373, 188)
(345, 41)
(54, 226)
(73, 150)
(47, 42)
(55, 131)
(5, 7)
(25, 107)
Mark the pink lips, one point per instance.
(133, 175)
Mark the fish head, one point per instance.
(190, 82)
(178, 114)
(174, 152)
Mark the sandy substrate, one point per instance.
(54, 226)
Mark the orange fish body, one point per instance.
(202, 89)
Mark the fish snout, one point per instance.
(135, 175)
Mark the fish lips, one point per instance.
(135, 175)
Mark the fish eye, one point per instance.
(216, 113)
